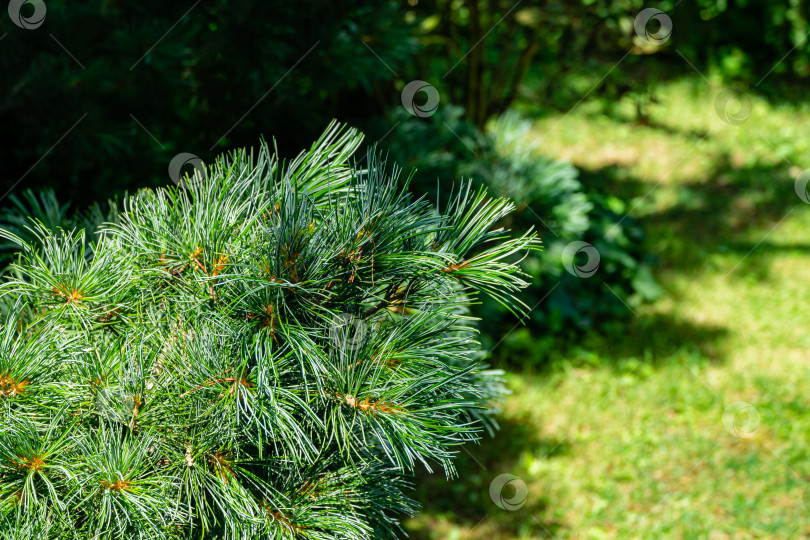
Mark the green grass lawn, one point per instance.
(623, 436)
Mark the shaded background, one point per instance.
(157, 78)
(661, 154)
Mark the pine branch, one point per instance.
(268, 351)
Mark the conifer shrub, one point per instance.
(550, 195)
(267, 351)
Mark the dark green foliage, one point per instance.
(44, 208)
(144, 81)
(569, 304)
(550, 197)
(141, 82)
(488, 55)
(269, 353)
(547, 189)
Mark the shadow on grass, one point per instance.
(465, 501)
(647, 123)
(654, 340)
(714, 215)
(720, 222)
(661, 339)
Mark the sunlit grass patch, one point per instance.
(636, 434)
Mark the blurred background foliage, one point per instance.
(102, 97)
(158, 78)
(557, 104)
(142, 82)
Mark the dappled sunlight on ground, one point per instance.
(636, 436)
